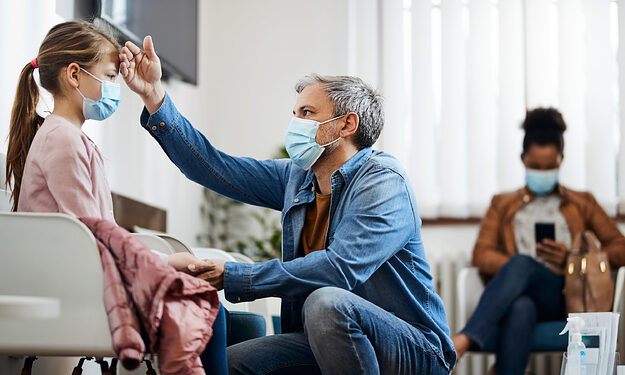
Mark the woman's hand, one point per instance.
(553, 252)
(142, 72)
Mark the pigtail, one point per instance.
(24, 124)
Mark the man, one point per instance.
(357, 296)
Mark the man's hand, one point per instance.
(553, 252)
(142, 72)
(212, 270)
(185, 262)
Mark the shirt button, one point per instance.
(162, 124)
(153, 127)
(296, 200)
(526, 198)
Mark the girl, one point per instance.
(52, 164)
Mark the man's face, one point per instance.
(313, 104)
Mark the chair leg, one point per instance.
(28, 365)
(104, 366)
(113, 367)
(151, 370)
(78, 369)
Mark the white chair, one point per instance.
(53, 256)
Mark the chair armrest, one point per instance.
(469, 289)
(617, 305)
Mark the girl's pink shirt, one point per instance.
(64, 172)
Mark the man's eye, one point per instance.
(306, 112)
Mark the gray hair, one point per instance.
(352, 94)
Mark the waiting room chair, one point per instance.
(545, 337)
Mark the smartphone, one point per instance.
(545, 231)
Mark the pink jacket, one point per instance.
(176, 310)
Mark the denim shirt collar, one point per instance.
(347, 170)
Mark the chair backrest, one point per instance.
(176, 244)
(5, 195)
(154, 242)
(53, 255)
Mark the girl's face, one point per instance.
(106, 70)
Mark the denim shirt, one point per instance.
(373, 241)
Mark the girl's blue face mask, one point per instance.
(301, 141)
(541, 182)
(106, 105)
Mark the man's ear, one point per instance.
(351, 125)
(72, 75)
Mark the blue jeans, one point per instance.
(522, 293)
(214, 359)
(343, 334)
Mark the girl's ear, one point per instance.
(72, 75)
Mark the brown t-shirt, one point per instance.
(316, 223)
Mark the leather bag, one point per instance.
(588, 284)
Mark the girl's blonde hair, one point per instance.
(69, 42)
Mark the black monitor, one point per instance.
(173, 26)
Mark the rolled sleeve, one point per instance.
(238, 281)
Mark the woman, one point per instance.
(527, 277)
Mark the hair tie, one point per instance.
(33, 62)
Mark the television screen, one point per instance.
(172, 25)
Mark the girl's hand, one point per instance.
(142, 72)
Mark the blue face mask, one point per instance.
(541, 182)
(300, 141)
(106, 105)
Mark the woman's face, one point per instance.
(542, 157)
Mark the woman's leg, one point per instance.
(515, 337)
(214, 358)
(511, 282)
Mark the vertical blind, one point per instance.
(458, 76)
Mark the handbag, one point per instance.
(588, 284)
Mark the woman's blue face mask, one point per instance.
(106, 105)
(541, 182)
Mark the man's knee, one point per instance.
(324, 307)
